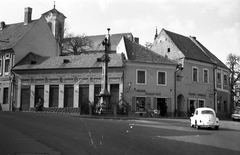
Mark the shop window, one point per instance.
(161, 78)
(205, 76)
(141, 77)
(140, 104)
(195, 74)
(201, 103)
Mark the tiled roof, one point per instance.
(139, 53)
(85, 60)
(212, 56)
(191, 50)
(188, 47)
(12, 33)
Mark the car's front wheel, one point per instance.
(216, 127)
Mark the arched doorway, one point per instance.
(180, 105)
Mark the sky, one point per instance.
(215, 23)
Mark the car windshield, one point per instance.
(207, 112)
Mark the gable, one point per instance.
(188, 47)
(138, 53)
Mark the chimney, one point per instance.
(27, 15)
(2, 25)
(136, 40)
(194, 37)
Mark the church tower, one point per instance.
(55, 20)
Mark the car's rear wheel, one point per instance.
(216, 127)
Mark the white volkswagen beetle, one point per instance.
(204, 117)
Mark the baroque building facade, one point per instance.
(202, 80)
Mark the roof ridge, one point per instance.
(110, 34)
(20, 22)
(175, 33)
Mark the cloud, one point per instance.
(104, 5)
(225, 41)
(175, 25)
(190, 24)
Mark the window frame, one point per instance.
(219, 80)
(197, 80)
(145, 77)
(203, 100)
(1, 65)
(165, 76)
(225, 82)
(138, 98)
(7, 58)
(205, 69)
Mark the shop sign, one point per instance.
(194, 94)
(148, 93)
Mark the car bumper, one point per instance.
(209, 126)
(235, 117)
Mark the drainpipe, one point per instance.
(11, 91)
(178, 68)
(214, 88)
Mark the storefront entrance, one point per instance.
(25, 98)
(162, 106)
(39, 93)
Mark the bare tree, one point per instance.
(233, 63)
(148, 45)
(76, 44)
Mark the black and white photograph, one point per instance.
(119, 77)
